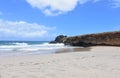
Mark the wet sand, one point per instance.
(73, 49)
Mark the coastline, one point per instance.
(98, 62)
(18, 48)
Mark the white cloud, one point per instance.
(53, 7)
(24, 30)
(83, 1)
(56, 7)
(115, 3)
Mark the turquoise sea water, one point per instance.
(21, 42)
(14, 48)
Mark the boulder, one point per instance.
(59, 39)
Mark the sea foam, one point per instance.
(22, 48)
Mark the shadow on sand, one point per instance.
(73, 49)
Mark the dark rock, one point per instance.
(107, 38)
(59, 39)
(53, 42)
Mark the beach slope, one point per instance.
(99, 62)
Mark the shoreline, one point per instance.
(65, 49)
(99, 62)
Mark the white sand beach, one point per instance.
(99, 62)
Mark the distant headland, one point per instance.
(102, 39)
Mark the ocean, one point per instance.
(16, 48)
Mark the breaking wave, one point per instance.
(18, 48)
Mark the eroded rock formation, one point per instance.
(107, 38)
(59, 39)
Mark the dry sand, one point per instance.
(99, 62)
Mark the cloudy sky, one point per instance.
(45, 19)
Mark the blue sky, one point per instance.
(45, 19)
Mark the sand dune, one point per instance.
(99, 62)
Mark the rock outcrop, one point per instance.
(59, 39)
(107, 38)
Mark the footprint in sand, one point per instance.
(22, 64)
(36, 63)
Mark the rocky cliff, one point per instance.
(59, 39)
(106, 38)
